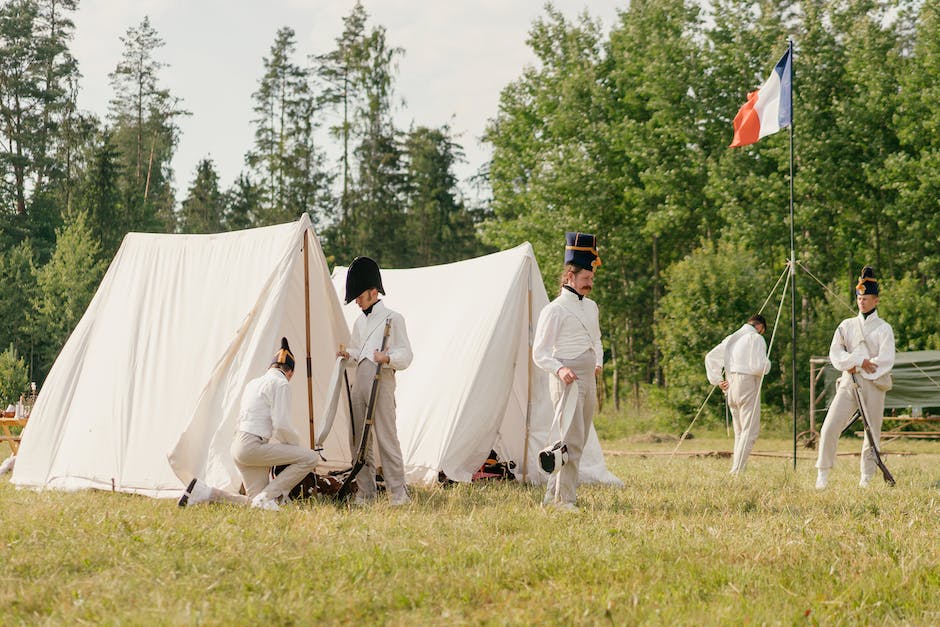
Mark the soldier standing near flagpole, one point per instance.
(567, 345)
(743, 358)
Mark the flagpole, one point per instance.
(792, 263)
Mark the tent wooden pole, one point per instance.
(313, 432)
(528, 405)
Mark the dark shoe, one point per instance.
(187, 493)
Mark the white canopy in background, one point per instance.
(145, 393)
(466, 392)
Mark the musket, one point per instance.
(860, 412)
(360, 459)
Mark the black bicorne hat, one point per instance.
(581, 250)
(363, 274)
(867, 283)
(284, 357)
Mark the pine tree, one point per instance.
(101, 199)
(203, 208)
(285, 159)
(440, 228)
(36, 71)
(242, 204)
(144, 115)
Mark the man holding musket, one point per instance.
(568, 346)
(364, 284)
(863, 349)
(742, 356)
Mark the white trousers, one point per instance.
(744, 403)
(254, 457)
(384, 430)
(566, 479)
(840, 415)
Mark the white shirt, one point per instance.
(742, 352)
(367, 337)
(265, 408)
(567, 327)
(848, 350)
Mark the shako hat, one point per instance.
(363, 274)
(581, 250)
(284, 357)
(867, 283)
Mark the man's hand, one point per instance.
(342, 354)
(381, 358)
(566, 374)
(868, 366)
(724, 385)
(597, 370)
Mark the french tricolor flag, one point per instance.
(768, 109)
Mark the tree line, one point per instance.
(625, 134)
(622, 132)
(72, 185)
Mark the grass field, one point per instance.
(680, 543)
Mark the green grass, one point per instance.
(679, 543)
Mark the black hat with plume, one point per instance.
(284, 357)
(867, 283)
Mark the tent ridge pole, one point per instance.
(306, 246)
(528, 404)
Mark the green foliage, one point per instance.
(14, 377)
(439, 227)
(242, 204)
(145, 131)
(627, 136)
(202, 210)
(36, 70)
(101, 198)
(911, 306)
(65, 286)
(288, 165)
(709, 294)
(17, 284)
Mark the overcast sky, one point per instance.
(458, 56)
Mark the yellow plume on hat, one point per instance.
(284, 357)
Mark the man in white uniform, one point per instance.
(862, 346)
(265, 438)
(742, 358)
(567, 345)
(363, 284)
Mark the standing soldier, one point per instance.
(863, 349)
(364, 284)
(568, 346)
(743, 358)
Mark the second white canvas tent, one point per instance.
(472, 383)
(157, 364)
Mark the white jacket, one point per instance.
(265, 408)
(367, 337)
(742, 352)
(567, 327)
(859, 338)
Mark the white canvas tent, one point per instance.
(146, 391)
(472, 382)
